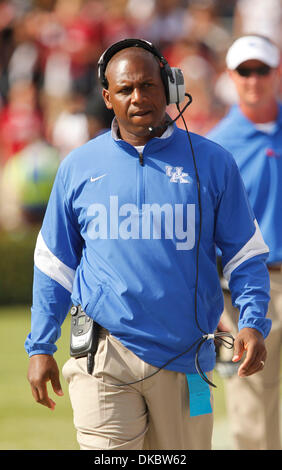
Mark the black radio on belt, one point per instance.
(84, 336)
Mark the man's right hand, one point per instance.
(42, 368)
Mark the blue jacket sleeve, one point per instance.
(56, 257)
(243, 253)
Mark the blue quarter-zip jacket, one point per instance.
(120, 238)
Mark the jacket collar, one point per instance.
(155, 142)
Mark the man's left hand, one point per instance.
(251, 341)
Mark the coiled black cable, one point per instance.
(217, 336)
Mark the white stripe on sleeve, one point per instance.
(255, 246)
(50, 265)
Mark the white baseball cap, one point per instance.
(252, 47)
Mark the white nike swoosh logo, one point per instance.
(97, 178)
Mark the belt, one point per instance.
(274, 267)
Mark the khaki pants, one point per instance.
(253, 402)
(152, 414)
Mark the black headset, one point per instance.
(172, 77)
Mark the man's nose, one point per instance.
(253, 79)
(137, 95)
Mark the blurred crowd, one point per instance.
(50, 100)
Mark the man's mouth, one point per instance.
(142, 113)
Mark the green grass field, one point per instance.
(26, 425)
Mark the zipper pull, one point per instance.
(141, 160)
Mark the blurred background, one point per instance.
(50, 103)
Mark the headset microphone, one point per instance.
(171, 121)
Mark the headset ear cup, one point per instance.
(176, 86)
(164, 77)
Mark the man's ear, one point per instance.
(106, 96)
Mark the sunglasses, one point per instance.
(262, 71)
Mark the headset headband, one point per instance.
(124, 44)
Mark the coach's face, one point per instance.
(136, 94)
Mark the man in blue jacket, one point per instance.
(130, 235)
(252, 132)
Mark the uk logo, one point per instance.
(176, 174)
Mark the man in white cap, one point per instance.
(252, 132)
